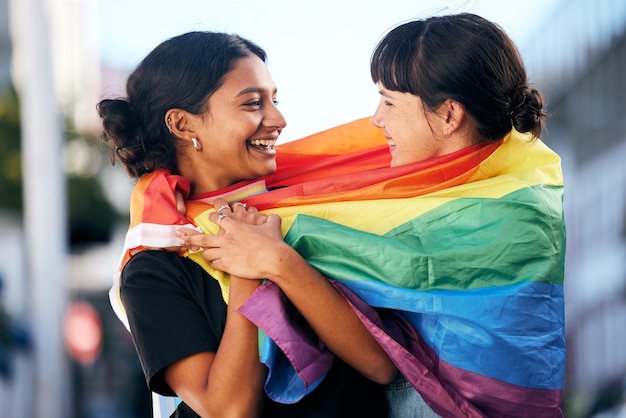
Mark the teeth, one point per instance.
(263, 142)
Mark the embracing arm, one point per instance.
(187, 342)
(227, 383)
(251, 245)
(329, 314)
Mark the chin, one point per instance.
(268, 170)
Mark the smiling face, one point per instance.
(409, 127)
(237, 132)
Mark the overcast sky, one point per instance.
(318, 50)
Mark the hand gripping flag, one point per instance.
(455, 265)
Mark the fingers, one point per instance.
(218, 218)
(239, 207)
(222, 210)
(274, 220)
(180, 203)
(238, 211)
(183, 232)
(210, 256)
(192, 240)
(221, 205)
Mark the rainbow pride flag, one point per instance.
(466, 250)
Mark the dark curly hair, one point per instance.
(181, 72)
(466, 58)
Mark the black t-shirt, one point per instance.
(175, 309)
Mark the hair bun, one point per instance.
(527, 114)
(121, 133)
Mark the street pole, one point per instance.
(44, 201)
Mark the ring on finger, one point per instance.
(220, 217)
(240, 204)
(223, 207)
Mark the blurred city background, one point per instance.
(63, 207)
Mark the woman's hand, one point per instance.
(247, 244)
(238, 211)
(187, 232)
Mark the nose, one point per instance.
(377, 119)
(274, 118)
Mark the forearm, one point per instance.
(233, 383)
(330, 316)
(237, 374)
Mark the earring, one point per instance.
(196, 143)
(169, 120)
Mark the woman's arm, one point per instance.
(190, 342)
(227, 383)
(251, 245)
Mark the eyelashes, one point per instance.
(259, 103)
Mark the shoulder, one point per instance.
(162, 272)
(164, 264)
(154, 257)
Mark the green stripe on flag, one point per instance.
(466, 243)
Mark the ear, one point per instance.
(180, 123)
(453, 113)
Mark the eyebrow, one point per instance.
(254, 90)
(382, 93)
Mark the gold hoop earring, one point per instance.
(196, 144)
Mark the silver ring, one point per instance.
(240, 204)
(223, 207)
(220, 217)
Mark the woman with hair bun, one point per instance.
(461, 76)
(475, 258)
(201, 117)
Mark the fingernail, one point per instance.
(181, 242)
